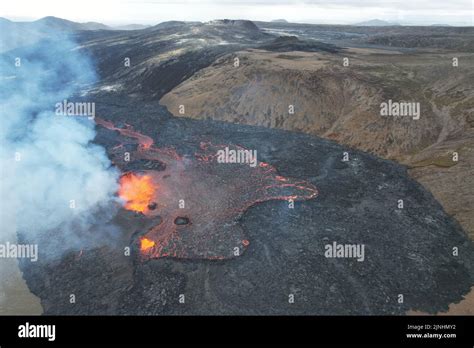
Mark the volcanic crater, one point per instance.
(198, 199)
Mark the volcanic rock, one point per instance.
(408, 250)
(180, 220)
(343, 104)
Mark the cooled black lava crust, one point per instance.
(407, 251)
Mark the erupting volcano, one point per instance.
(193, 202)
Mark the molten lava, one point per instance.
(196, 213)
(146, 244)
(137, 191)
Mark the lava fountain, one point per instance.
(193, 203)
(146, 244)
(136, 191)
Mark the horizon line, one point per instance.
(388, 23)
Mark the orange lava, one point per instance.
(146, 244)
(143, 140)
(137, 191)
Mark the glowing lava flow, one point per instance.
(196, 210)
(146, 244)
(142, 140)
(137, 191)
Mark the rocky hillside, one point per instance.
(149, 63)
(343, 104)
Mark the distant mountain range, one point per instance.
(17, 34)
(375, 23)
(56, 23)
(52, 23)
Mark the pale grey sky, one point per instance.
(114, 12)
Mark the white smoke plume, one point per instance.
(55, 183)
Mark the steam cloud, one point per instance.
(57, 161)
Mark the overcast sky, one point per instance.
(114, 12)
